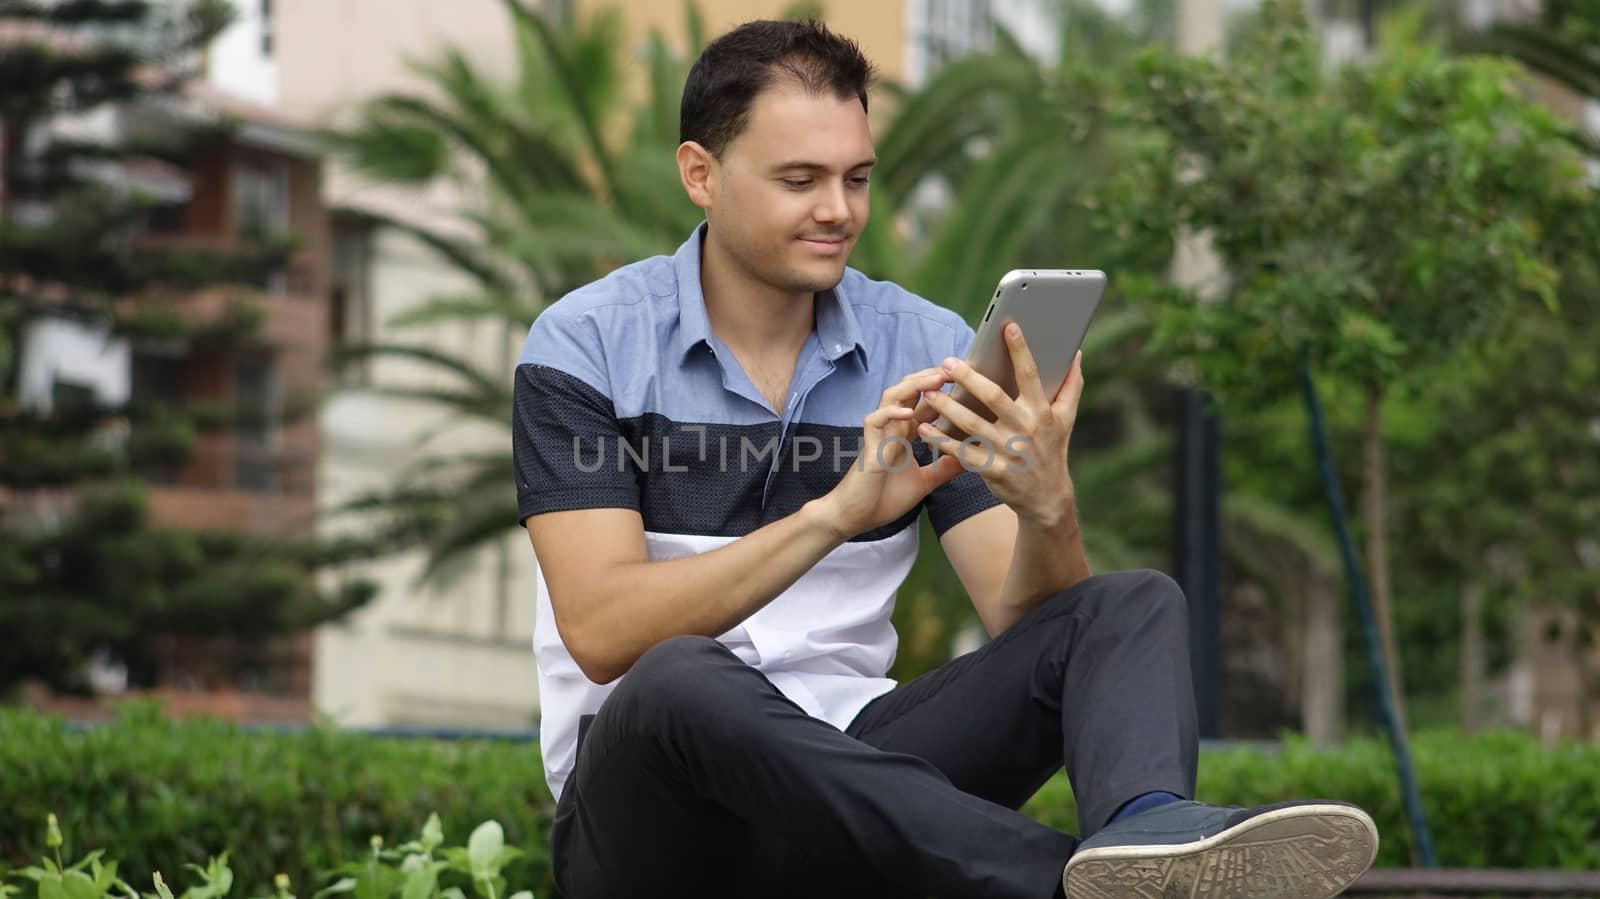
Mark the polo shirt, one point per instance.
(624, 398)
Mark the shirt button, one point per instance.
(838, 348)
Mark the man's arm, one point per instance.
(1008, 568)
(1012, 556)
(611, 603)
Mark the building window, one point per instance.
(260, 200)
(166, 218)
(943, 30)
(255, 397)
(261, 210)
(157, 382)
(71, 400)
(266, 28)
(350, 311)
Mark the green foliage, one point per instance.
(422, 868)
(120, 585)
(1498, 800)
(1562, 43)
(336, 813)
(306, 804)
(1374, 221)
(1404, 227)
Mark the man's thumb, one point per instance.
(943, 470)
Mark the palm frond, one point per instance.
(476, 381)
(487, 407)
(960, 103)
(694, 27)
(512, 308)
(479, 524)
(465, 256)
(390, 148)
(657, 123)
(582, 110)
(1000, 209)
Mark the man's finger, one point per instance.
(1029, 390)
(939, 472)
(975, 453)
(904, 392)
(883, 415)
(1065, 405)
(967, 420)
(985, 390)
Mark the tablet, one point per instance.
(1054, 308)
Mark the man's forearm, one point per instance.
(640, 604)
(1047, 558)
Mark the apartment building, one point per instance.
(258, 176)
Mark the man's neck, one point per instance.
(754, 319)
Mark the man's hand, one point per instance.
(1022, 455)
(885, 481)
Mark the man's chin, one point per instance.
(816, 275)
(810, 283)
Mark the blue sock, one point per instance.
(1144, 803)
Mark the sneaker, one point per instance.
(1292, 850)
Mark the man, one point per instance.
(721, 457)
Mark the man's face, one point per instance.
(789, 195)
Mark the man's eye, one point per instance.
(797, 183)
(860, 181)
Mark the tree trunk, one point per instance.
(1322, 672)
(1472, 658)
(1375, 510)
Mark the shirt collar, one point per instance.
(838, 331)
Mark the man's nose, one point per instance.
(831, 204)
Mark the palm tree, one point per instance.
(559, 194)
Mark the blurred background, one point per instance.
(265, 267)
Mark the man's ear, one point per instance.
(697, 170)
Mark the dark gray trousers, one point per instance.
(697, 777)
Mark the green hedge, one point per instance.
(160, 795)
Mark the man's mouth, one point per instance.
(825, 244)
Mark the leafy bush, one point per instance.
(420, 869)
(1498, 800)
(156, 794)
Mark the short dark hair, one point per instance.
(739, 65)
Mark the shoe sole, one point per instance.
(1308, 851)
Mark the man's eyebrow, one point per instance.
(801, 165)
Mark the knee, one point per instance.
(676, 673)
(1142, 594)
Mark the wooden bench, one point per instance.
(1450, 883)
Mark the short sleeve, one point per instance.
(966, 494)
(565, 433)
